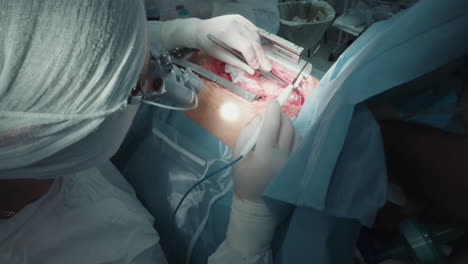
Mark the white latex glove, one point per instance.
(251, 229)
(275, 143)
(251, 224)
(233, 30)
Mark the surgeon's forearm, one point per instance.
(251, 227)
(429, 163)
(250, 231)
(154, 30)
(178, 33)
(171, 34)
(262, 13)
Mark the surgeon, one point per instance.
(67, 70)
(262, 13)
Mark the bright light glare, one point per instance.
(229, 112)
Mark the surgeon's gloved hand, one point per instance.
(251, 224)
(233, 30)
(276, 141)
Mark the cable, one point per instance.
(198, 183)
(195, 105)
(173, 224)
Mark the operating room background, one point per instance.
(356, 93)
(331, 40)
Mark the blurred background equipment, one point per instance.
(305, 22)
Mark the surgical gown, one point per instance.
(92, 215)
(263, 13)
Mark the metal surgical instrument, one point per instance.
(240, 57)
(281, 99)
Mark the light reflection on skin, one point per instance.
(229, 111)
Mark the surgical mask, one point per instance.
(165, 81)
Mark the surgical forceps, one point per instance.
(235, 53)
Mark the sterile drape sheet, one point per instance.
(389, 53)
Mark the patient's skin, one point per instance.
(430, 165)
(15, 194)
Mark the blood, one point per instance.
(216, 66)
(258, 84)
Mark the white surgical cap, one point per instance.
(65, 66)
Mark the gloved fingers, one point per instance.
(232, 60)
(264, 64)
(254, 55)
(271, 127)
(286, 134)
(248, 43)
(244, 135)
(247, 47)
(252, 31)
(248, 24)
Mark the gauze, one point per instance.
(64, 67)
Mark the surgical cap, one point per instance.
(65, 67)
